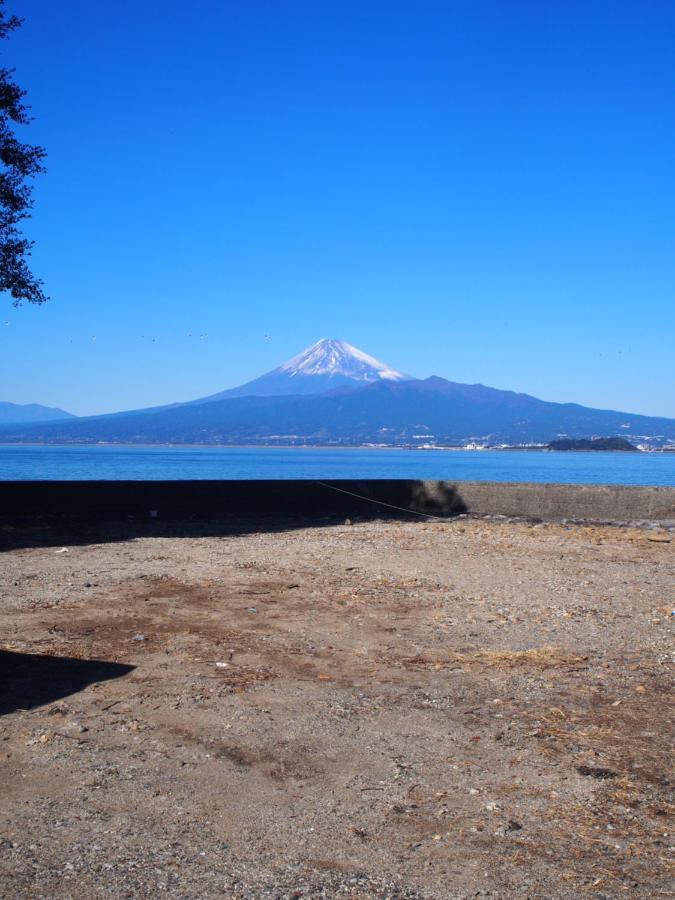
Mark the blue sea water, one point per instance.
(22, 463)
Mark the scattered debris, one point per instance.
(596, 772)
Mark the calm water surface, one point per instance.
(158, 463)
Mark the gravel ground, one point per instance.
(386, 709)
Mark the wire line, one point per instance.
(404, 509)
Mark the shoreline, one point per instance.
(440, 449)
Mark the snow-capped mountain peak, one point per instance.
(324, 366)
(334, 358)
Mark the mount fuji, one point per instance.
(335, 395)
(324, 366)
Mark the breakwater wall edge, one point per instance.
(118, 500)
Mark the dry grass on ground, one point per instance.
(388, 709)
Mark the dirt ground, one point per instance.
(471, 708)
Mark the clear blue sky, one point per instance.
(478, 189)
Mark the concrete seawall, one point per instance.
(118, 500)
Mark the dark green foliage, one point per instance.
(18, 162)
(609, 443)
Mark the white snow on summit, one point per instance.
(330, 358)
(325, 366)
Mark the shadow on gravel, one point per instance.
(28, 680)
(68, 513)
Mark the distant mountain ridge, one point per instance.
(388, 412)
(11, 413)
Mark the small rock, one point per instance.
(596, 772)
(139, 637)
